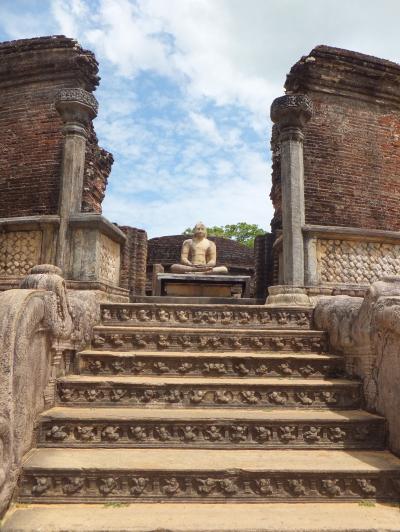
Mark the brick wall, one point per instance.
(133, 260)
(32, 71)
(352, 143)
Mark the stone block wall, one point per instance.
(133, 261)
(352, 143)
(32, 71)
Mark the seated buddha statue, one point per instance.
(198, 254)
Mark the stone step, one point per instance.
(219, 391)
(180, 315)
(129, 475)
(210, 428)
(199, 339)
(232, 364)
(361, 516)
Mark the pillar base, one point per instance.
(287, 296)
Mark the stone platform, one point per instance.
(202, 285)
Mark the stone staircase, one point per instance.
(208, 404)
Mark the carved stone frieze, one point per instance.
(109, 262)
(19, 251)
(197, 316)
(356, 262)
(175, 340)
(242, 486)
(241, 394)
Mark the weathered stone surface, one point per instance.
(61, 475)
(367, 332)
(224, 428)
(37, 323)
(207, 517)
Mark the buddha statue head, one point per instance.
(200, 231)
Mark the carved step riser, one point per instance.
(217, 435)
(273, 396)
(73, 486)
(209, 341)
(182, 316)
(192, 366)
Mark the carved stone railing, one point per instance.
(367, 332)
(41, 329)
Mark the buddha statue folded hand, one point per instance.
(199, 255)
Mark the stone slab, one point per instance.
(200, 285)
(169, 517)
(125, 414)
(197, 300)
(177, 460)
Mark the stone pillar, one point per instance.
(291, 113)
(77, 108)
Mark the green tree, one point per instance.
(241, 232)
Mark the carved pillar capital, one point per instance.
(77, 108)
(291, 112)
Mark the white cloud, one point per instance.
(224, 61)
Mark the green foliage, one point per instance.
(241, 232)
(366, 503)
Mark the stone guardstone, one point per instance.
(202, 285)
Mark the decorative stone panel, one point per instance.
(19, 251)
(356, 262)
(109, 260)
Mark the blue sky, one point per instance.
(186, 88)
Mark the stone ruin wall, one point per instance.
(32, 71)
(134, 260)
(351, 162)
